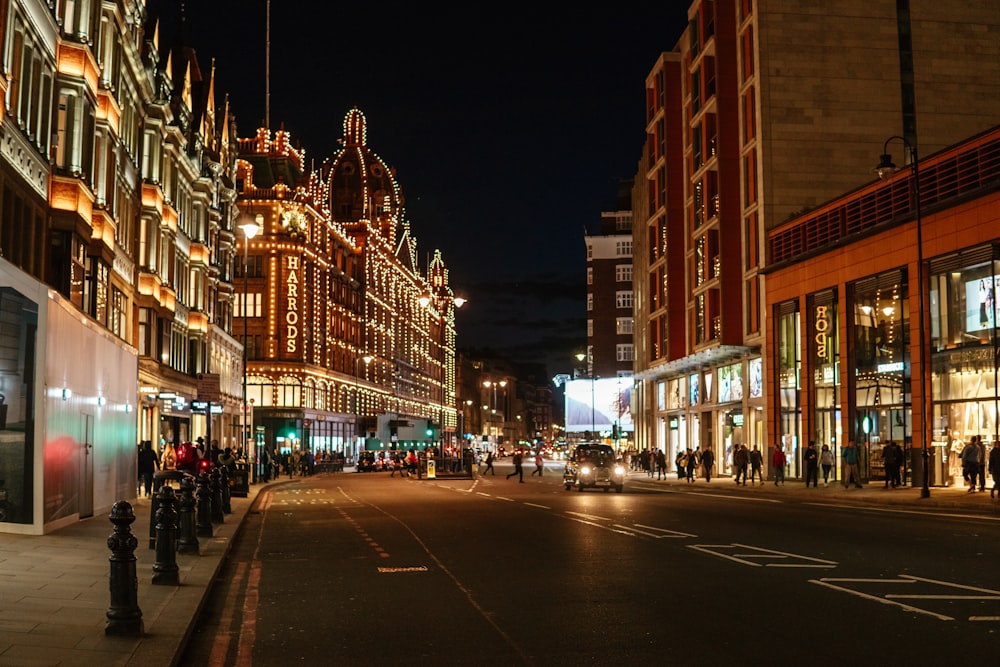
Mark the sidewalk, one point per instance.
(874, 493)
(55, 593)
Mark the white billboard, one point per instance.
(595, 405)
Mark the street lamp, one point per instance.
(580, 356)
(885, 169)
(250, 227)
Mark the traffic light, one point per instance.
(614, 431)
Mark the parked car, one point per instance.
(594, 464)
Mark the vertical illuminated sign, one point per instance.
(292, 308)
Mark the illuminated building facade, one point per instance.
(117, 251)
(349, 343)
(748, 127)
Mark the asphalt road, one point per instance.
(364, 569)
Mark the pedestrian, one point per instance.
(778, 462)
(149, 463)
(756, 461)
(397, 465)
(707, 461)
(982, 463)
(892, 458)
(661, 464)
(970, 464)
(412, 463)
(995, 467)
(489, 464)
(693, 458)
(518, 470)
(539, 464)
(811, 458)
(826, 462)
(852, 471)
(740, 460)
(680, 461)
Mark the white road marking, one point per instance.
(589, 516)
(761, 554)
(658, 533)
(543, 507)
(866, 596)
(881, 509)
(910, 580)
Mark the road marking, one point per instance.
(658, 533)
(393, 570)
(588, 516)
(760, 553)
(881, 509)
(707, 494)
(910, 580)
(509, 500)
(543, 507)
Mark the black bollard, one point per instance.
(165, 570)
(124, 615)
(225, 478)
(204, 516)
(216, 485)
(187, 541)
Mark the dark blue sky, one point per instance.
(509, 127)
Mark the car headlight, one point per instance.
(619, 470)
(585, 470)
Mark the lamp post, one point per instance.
(250, 227)
(884, 170)
(441, 302)
(580, 356)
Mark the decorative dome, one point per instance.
(359, 184)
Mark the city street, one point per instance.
(361, 568)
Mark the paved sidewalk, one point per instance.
(873, 493)
(55, 593)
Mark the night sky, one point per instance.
(509, 127)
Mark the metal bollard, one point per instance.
(187, 541)
(124, 615)
(216, 485)
(165, 570)
(225, 478)
(204, 516)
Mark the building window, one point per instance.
(624, 351)
(118, 322)
(623, 273)
(623, 248)
(590, 302)
(253, 302)
(590, 328)
(624, 325)
(590, 251)
(623, 299)
(590, 275)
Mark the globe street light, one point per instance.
(885, 169)
(250, 227)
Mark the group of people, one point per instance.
(149, 461)
(976, 463)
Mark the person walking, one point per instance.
(826, 462)
(740, 460)
(778, 462)
(707, 461)
(149, 463)
(982, 463)
(693, 459)
(681, 462)
(970, 464)
(852, 471)
(489, 465)
(892, 459)
(661, 464)
(811, 458)
(518, 470)
(995, 467)
(756, 461)
(539, 464)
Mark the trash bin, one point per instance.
(239, 481)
